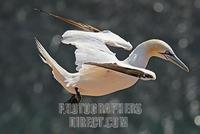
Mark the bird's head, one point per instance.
(161, 49)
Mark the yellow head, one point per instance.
(161, 49)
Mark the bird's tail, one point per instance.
(60, 74)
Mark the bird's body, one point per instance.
(98, 81)
(94, 80)
(99, 72)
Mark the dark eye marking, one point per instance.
(168, 53)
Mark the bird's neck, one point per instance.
(139, 57)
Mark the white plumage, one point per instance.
(99, 72)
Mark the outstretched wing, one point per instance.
(108, 37)
(91, 46)
(79, 25)
(141, 73)
(89, 49)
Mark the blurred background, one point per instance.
(29, 94)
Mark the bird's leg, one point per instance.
(78, 95)
(76, 98)
(72, 99)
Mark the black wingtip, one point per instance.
(40, 11)
(35, 38)
(37, 10)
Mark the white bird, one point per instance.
(99, 72)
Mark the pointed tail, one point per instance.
(60, 74)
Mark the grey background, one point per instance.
(29, 95)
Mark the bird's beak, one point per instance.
(174, 59)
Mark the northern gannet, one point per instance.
(99, 72)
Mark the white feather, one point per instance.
(106, 37)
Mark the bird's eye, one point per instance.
(168, 53)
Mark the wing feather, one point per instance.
(108, 37)
(81, 26)
(141, 73)
(91, 47)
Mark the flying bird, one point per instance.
(99, 72)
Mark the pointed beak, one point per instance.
(174, 59)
